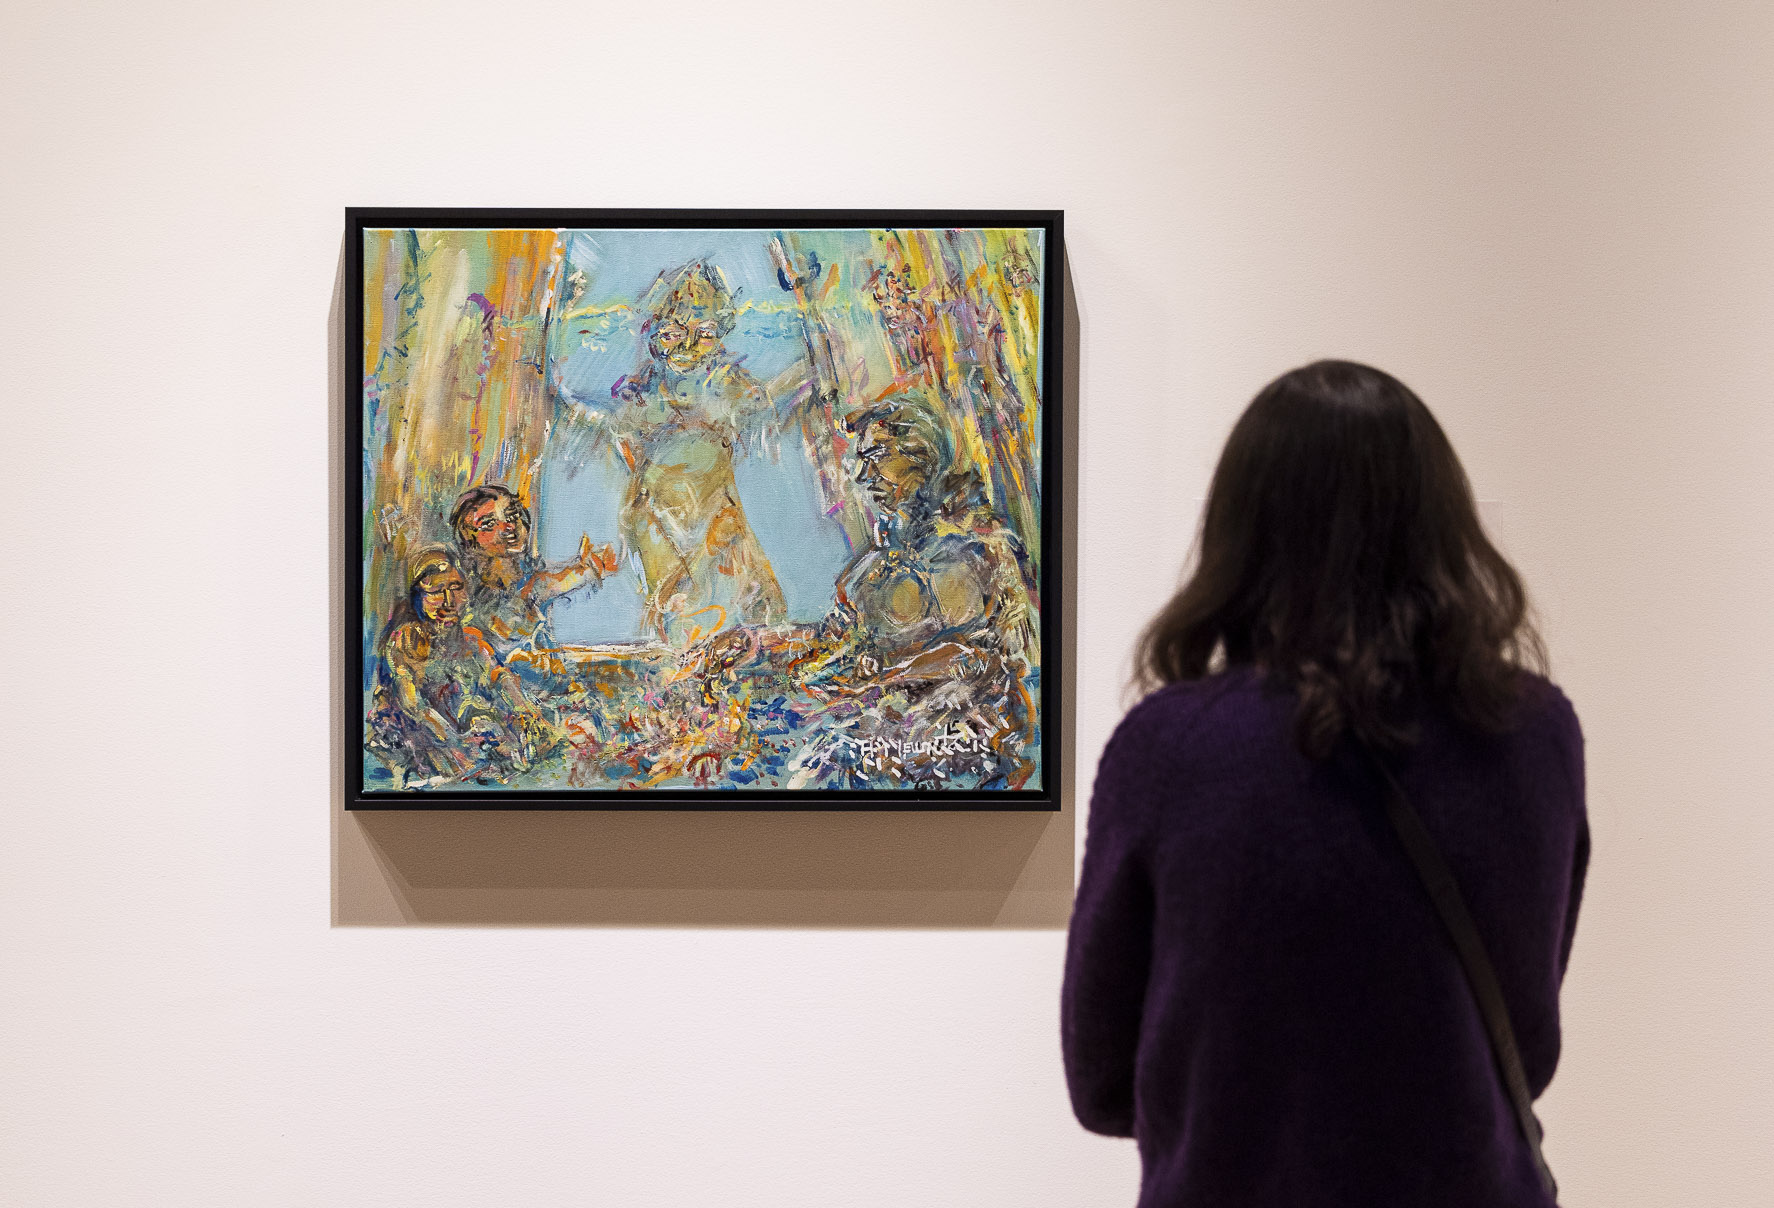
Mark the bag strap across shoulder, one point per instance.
(1444, 891)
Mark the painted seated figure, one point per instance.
(677, 423)
(944, 569)
(509, 587)
(920, 672)
(445, 708)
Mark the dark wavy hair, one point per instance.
(1340, 554)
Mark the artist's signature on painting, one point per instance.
(885, 753)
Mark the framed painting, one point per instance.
(702, 509)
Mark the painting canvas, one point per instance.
(718, 509)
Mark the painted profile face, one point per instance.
(682, 338)
(891, 463)
(498, 527)
(440, 596)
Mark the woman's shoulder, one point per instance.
(1542, 703)
(1206, 733)
(1242, 702)
(1206, 709)
(1231, 724)
(1540, 726)
(1545, 728)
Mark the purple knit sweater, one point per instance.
(1258, 988)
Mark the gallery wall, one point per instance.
(1549, 216)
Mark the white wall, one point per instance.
(1552, 217)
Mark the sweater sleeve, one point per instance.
(1108, 951)
(1580, 848)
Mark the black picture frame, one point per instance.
(1053, 491)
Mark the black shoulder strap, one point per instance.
(1444, 891)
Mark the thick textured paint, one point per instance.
(809, 458)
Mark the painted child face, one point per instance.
(684, 337)
(498, 527)
(441, 596)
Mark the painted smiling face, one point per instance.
(498, 527)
